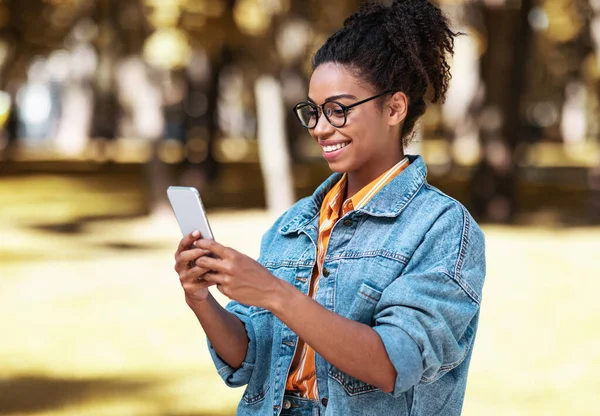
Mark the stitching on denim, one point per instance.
(259, 312)
(359, 388)
(296, 225)
(398, 208)
(462, 252)
(287, 263)
(448, 367)
(465, 242)
(373, 253)
(368, 296)
(464, 286)
(259, 397)
(221, 369)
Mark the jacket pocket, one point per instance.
(364, 303)
(352, 385)
(254, 396)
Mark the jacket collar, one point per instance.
(388, 202)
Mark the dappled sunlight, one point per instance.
(95, 321)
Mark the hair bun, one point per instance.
(402, 46)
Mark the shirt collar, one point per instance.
(388, 202)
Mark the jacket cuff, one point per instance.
(405, 356)
(237, 377)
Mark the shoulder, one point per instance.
(437, 210)
(451, 239)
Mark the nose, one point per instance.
(323, 128)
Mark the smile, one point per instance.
(333, 148)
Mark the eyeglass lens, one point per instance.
(308, 114)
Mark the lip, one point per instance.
(330, 156)
(333, 142)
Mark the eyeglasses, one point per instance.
(336, 113)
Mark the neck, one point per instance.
(362, 177)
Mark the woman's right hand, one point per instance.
(190, 275)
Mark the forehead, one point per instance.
(333, 79)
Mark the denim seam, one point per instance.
(225, 370)
(373, 253)
(397, 209)
(461, 258)
(286, 263)
(353, 391)
(464, 242)
(447, 367)
(368, 296)
(259, 312)
(290, 227)
(258, 398)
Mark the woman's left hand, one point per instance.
(238, 276)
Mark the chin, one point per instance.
(340, 167)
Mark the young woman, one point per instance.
(365, 298)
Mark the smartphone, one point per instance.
(189, 210)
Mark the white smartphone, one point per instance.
(189, 210)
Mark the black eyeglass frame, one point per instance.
(321, 109)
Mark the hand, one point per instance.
(191, 275)
(239, 277)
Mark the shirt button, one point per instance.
(325, 272)
(324, 401)
(348, 223)
(287, 404)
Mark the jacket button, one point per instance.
(348, 223)
(324, 401)
(325, 272)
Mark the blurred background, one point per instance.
(105, 103)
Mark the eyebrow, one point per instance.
(335, 97)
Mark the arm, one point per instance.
(425, 321)
(224, 330)
(346, 344)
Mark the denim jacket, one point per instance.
(410, 264)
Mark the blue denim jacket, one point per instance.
(411, 264)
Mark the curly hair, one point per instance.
(402, 47)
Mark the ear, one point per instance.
(397, 108)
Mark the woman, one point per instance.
(365, 297)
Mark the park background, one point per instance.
(104, 103)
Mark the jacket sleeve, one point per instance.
(241, 376)
(427, 318)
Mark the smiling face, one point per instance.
(369, 143)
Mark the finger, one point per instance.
(187, 241)
(194, 274)
(211, 263)
(214, 278)
(214, 247)
(190, 255)
(204, 284)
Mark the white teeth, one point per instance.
(335, 147)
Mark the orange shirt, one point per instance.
(302, 377)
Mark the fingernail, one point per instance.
(194, 243)
(196, 233)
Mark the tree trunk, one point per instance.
(272, 144)
(493, 186)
